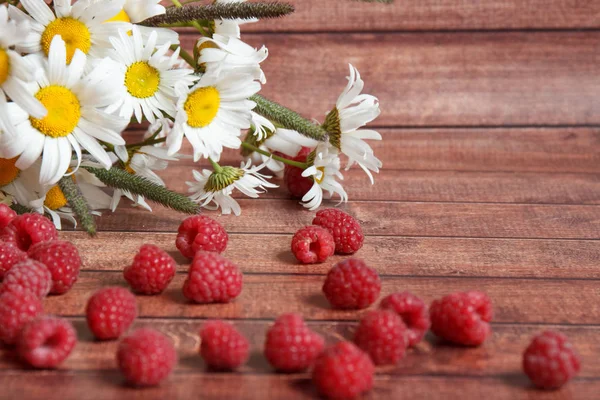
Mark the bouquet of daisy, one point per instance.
(75, 75)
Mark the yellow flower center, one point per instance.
(63, 108)
(8, 171)
(142, 80)
(55, 198)
(120, 17)
(320, 179)
(4, 65)
(74, 32)
(202, 106)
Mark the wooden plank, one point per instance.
(389, 255)
(267, 296)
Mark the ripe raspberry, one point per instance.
(28, 275)
(10, 255)
(110, 312)
(382, 334)
(291, 346)
(17, 308)
(350, 284)
(312, 244)
(550, 360)
(462, 318)
(222, 346)
(296, 184)
(343, 371)
(200, 233)
(46, 342)
(152, 270)
(6, 215)
(146, 357)
(28, 229)
(413, 312)
(346, 230)
(212, 279)
(62, 260)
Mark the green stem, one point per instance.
(195, 24)
(185, 55)
(78, 203)
(293, 163)
(216, 167)
(149, 142)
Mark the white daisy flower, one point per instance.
(212, 114)
(145, 76)
(354, 110)
(74, 118)
(22, 185)
(231, 27)
(324, 170)
(216, 186)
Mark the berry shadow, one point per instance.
(317, 300)
(287, 257)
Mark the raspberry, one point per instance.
(62, 260)
(382, 334)
(291, 346)
(413, 312)
(146, 357)
(462, 318)
(28, 229)
(28, 275)
(200, 233)
(350, 284)
(46, 342)
(212, 279)
(6, 215)
(110, 312)
(10, 255)
(346, 230)
(152, 270)
(550, 360)
(343, 371)
(222, 346)
(17, 308)
(312, 244)
(297, 184)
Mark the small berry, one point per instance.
(200, 233)
(297, 184)
(46, 342)
(222, 346)
(346, 230)
(414, 314)
(62, 260)
(152, 270)
(17, 308)
(382, 335)
(343, 371)
(28, 229)
(28, 275)
(6, 215)
(10, 255)
(550, 360)
(462, 318)
(350, 284)
(110, 312)
(291, 346)
(146, 357)
(312, 244)
(212, 279)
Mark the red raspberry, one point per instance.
(6, 215)
(62, 260)
(146, 357)
(382, 334)
(46, 342)
(200, 233)
(462, 318)
(110, 312)
(346, 230)
(222, 346)
(350, 284)
(297, 184)
(212, 279)
(152, 270)
(343, 371)
(312, 244)
(291, 346)
(28, 275)
(17, 308)
(550, 360)
(413, 312)
(28, 229)
(10, 255)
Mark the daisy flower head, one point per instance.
(217, 186)
(324, 170)
(231, 27)
(74, 120)
(22, 185)
(212, 113)
(354, 110)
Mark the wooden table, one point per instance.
(491, 181)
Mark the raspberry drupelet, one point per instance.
(414, 314)
(151, 271)
(312, 244)
(350, 284)
(200, 233)
(46, 342)
(212, 279)
(382, 335)
(344, 228)
(110, 312)
(28, 275)
(62, 260)
(222, 346)
(28, 229)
